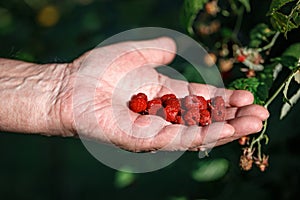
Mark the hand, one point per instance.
(103, 80)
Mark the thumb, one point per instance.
(159, 51)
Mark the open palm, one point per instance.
(105, 79)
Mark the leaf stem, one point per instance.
(271, 44)
(280, 88)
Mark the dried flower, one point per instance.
(244, 140)
(263, 163)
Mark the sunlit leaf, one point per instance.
(281, 22)
(287, 107)
(190, 10)
(277, 4)
(297, 77)
(211, 170)
(285, 90)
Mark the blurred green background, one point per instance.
(37, 167)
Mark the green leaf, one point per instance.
(260, 33)
(277, 4)
(252, 85)
(246, 4)
(282, 22)
(190, 10)
(211, 170)
(287, 61)
(124, 179)
(293, 50)
(287, 106)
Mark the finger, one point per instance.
(178, 137)
(249, 110)
(240, 98)
(177, 87)
(159, 51)
(231, 97)
(246, 125)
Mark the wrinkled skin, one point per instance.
(102, 81)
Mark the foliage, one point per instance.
(252, 57)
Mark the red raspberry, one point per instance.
(138, 103)
(170, 113)
(204, 118)
(172, 102)
(217, 108)
(179, 120)
(141, 95)
(153, 106)
(192, 117)
(193, 101)
(167, 97)
(241, 58)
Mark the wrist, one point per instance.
(33, 98)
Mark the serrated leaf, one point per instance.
(277, 4)
(250, 84)
(211, 170)
(190, 10)
(281, 22)
(246, 4)
(286, 107)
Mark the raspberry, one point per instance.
(167, 97)
(153, 106)
(204, 118)
(191, 110)
(138, 103)
(241, 58)
(170, 113)
(172, 102)
(192, 117)
(142, 96)
(194, 101)
(217, 109)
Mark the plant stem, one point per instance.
(238, 23)
(279, 89)
(268, 46)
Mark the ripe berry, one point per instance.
(204, 118)
(170, 113)
(138, 103)
(172, 102)
(153, 106)
(194, 101)
(142, 96)
(167, 97)
(241, 58)
(192, 117)
(217, 109)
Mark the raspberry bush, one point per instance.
(247, 60)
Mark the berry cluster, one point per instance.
(190, 110)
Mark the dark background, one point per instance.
(37, 167)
